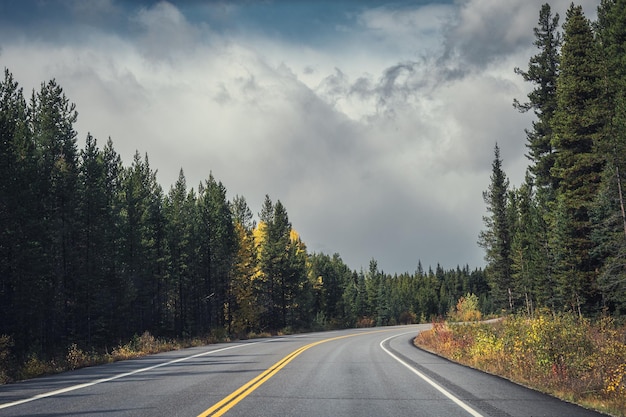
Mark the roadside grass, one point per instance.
(563, 355)
(74, 357)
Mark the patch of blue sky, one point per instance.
(307, 22)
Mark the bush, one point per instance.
(34, 367)
(407, 317)
(365, 322)
(6, 343)
(76, 358)
(467, 309)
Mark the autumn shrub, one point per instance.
(123, 352)
(34, 367)
(440, 339)
(76, 357)
(6, 343)
(466, 309)
(138, 346)
(609, 361)
(365, 322)
(487, 349)
(254, 335)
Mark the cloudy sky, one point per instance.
(373, 122)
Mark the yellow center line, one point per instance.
(242, 392)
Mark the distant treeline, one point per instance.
(559, 240)
(93, 252)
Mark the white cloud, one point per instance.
(419, 28)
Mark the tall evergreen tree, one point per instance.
(218, 250)
(52, 123)
(118, 286)
(611, 34)
(143, 242)
(244, 290)
(94, 247)
(609, 243)
(496, 238)
(21, 226)
(265, 255)
(609, 217)
(179, 208)
(530, 259)
(533, 255)
(282, 263)
(579, 126)
(543, 71)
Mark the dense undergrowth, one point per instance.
(572, 358)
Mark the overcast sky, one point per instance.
(373, 122)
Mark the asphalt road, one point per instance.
(365, 372)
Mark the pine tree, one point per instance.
(609, 217)
(279, 238)
(244, 289)
(383, 313)
(611, 34)
(579, 124)
(218, 250)
(298, 300)
(94, 249)
(530, 268)
(143, 232)
(609, 243)
(543, 71)
(21, 226)
(174, 297)
(52, 119)
(118, 286)
(496, 238)
(372, 284)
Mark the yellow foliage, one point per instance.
(467, 309)
(260, 234)
(75, 357)
(616, 381)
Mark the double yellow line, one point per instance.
(233, 399)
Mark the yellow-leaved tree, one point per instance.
(281, 274)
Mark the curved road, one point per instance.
(358, 372)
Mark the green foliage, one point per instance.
(467, 309)
(568, 222)
(496, 237)
(543, 72)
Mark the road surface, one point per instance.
(358, 372)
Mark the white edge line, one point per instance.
(430, 381)
(100, 381)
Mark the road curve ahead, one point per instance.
(358, 372)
